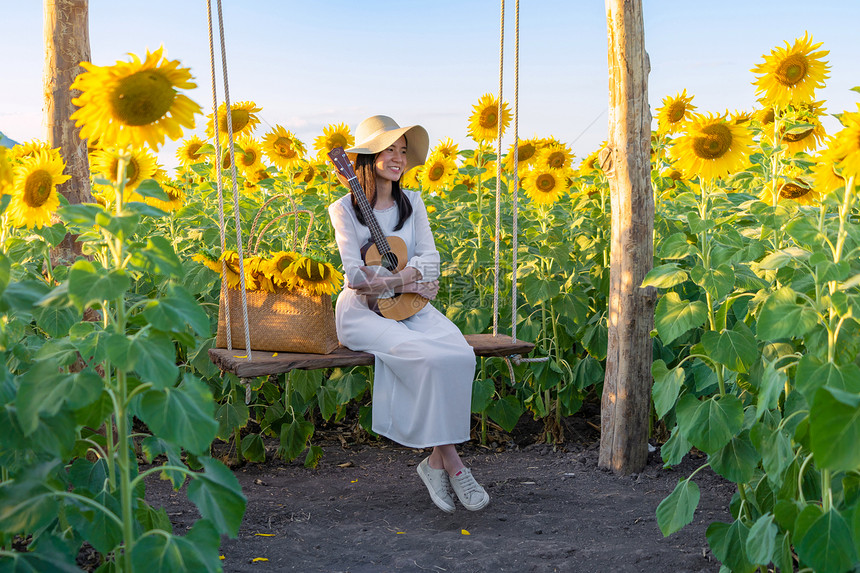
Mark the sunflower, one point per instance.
(32, 148)
(134, 103)
(333, 136)
(826, 173)
(187, 152)
(556, 156)
(468, 181)
(275, 268)
(791, 74)
(233, 277)
(591, 164)
(254, 268)
(807, 136)
(175, 198)
(480, 158)
(243, 116)
(250, 159)
(741, 117)
(483, 123)
(5, 171)
(412, 178)
(675, 111)
(447, 148)
(314, 276)
(711, 147)
(527, 150)
(306, 174)
(283, 148)
(438, 174)
(845, 144)
(34, 190)
(545, 186)
(140, 167)
(208, 261)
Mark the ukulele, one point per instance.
(387, 253)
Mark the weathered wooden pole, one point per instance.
(626, 402)
(67, 43)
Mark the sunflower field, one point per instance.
(105, 377)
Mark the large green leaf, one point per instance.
(88, 283)
(776, 451)
(182, 415)
(166, 553)
(158, 257)
(762, 540)
(677, 510)
(44, 390)
(230, 416)
(812, 374)
(665, 276)
(771, 385)
(253, 448)
(172, 311)
(728, 541)
(667, 385)
(675, 448)
(674, 317)
(56, 321)
(715, 422)
(717, 282)
(737, 460)
(27, 503)
(294, 438)
(735, 349)
(349, 383)
(482, 393)
(779, 259)
(677, 246)
(156, 358)
(217, 494)
(835, 429)
(827, 544)
(506, 412)
(782, 316)
(5, 272)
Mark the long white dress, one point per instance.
(424, 368)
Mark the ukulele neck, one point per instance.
(364, 206)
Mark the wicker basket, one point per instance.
(280, 321)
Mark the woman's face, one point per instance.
(390, 164)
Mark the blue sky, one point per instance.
(309, 64)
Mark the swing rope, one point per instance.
(225, 291)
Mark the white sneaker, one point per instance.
(469, 492)
(438, 485)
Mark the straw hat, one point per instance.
(377, 132)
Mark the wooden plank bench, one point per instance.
(266, 363)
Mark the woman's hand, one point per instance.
(377, 282)
(428, 290)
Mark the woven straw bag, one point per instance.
(280, 321)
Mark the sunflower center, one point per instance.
(545, 182)
(282, 263)
(142, 98)
(249, 157)
(225, 161)
(314, 272)
(436, 172)
(793, 191)
(676, 110)
(556, 159)
(489, 117)
(192, 149)
(675, 175)
(792, 70)
(525, 152)
(768, 116)
(337, 140)
(173, 194)
(800, 136)
(714, 141)
(239, 118)
(284, 147)
(132, 172)
(37, 188)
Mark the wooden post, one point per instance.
(626, 402)
(67, 43)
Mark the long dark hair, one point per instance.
(365, 171)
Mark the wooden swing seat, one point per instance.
(266, 363)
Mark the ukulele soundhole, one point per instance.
(389, 261)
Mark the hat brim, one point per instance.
(417, 146)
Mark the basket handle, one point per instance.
(295, 211)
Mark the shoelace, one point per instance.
(467, 484)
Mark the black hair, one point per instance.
(365, 171)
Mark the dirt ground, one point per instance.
(364, 509)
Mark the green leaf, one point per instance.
(717, 282)
(735, 349)
(307, 382)
(776, 452)
(327, 400)
(595, 339)
(674, 317)
(737, 460)
(158, 257)
(217, 494)
(230, 416)
(506, 412)
(5, 272)
(781, 316)
(182, 415)
(120, 351)
(762, 540)
(88, 284)
(665, 276)
(835, 423)
(156, 358)
(313, 457)
(770, 388)
(715, 421)
(678, 508)
(174, 310)
(728, 542)
(44, 391)
(150, 188)
(779, 259)
(804, 231)
(483, 390)
(56, 321)
(699, 225)
(294, 438)
(676, 246)
(675, 448)
(667, 385)
(827, 544)
(27, 503)
(812, 374)
(349, 384)
(167, 553)
(587, 372)
(253, 448)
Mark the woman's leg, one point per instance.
(446, 457)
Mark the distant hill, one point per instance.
(6, 142)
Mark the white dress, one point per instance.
(424, 368)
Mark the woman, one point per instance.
(424, 368)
